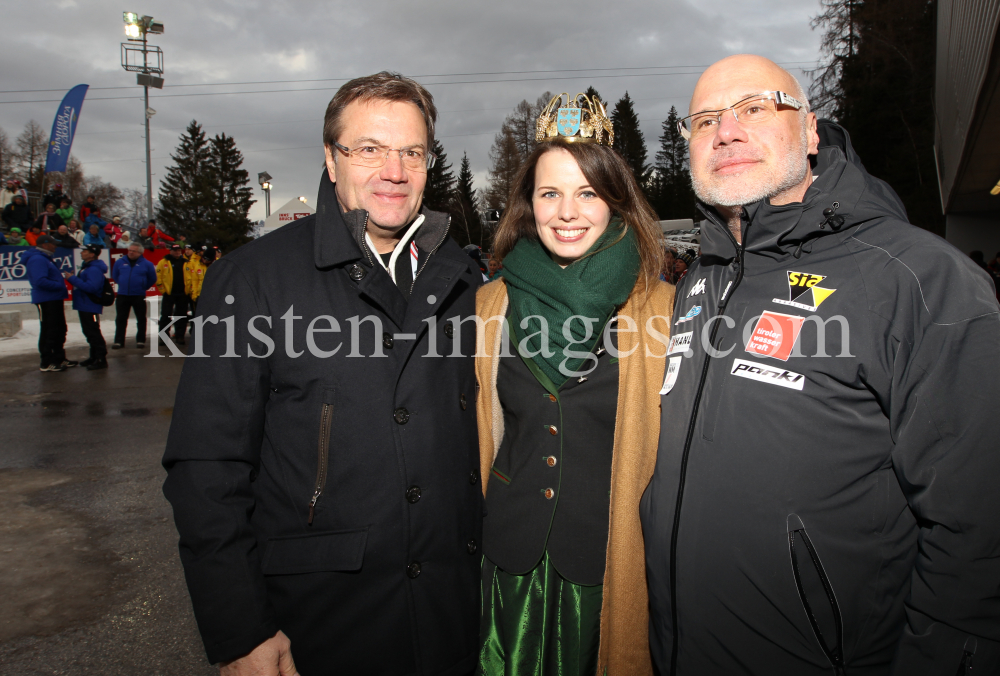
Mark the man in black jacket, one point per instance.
(826, 494)
(323, 462)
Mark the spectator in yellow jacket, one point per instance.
(171, 283)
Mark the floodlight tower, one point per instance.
(136, 28)
(264, 179)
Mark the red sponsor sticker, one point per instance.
(775, 335)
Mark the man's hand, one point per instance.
(273, 657)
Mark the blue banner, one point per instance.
(64, 127)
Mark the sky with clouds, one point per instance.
(478, 59)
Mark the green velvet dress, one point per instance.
(539, 624)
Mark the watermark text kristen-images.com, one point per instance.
(762, 328)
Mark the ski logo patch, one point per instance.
(679, 342)
(775, 335)
(765, 374)
(670, 379)
(698, 289)
(804, 291)
(691, 314)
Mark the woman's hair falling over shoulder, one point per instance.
(610, 177)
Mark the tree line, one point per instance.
(23, 159)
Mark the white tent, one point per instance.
(292, 210)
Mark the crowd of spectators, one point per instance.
(70, 226)
(178, 277)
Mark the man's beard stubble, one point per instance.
(730, 191)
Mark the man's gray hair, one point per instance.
(134, 244)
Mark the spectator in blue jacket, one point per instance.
(88, 285)
(133, 275)
(48, 291)
(95, 235)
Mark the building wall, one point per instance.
(966, 30)
(970, 232)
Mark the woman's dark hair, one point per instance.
(612, 180)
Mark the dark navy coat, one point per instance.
(331, 489)
(90, 280)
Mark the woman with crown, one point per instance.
(575, 340)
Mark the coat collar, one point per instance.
(340, 237)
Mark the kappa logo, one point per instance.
(804, 292)
(766, 374)
(691, 314)
(775, 335)
(698, 288)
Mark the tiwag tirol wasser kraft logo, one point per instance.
(804, 292)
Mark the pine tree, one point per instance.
(440, 187)
(233, 196)
(629, 141)
(186, 198)
(672, 194)
(592, 94)
(469, 228)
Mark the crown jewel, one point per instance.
(587, 123)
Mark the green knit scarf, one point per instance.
(592, 286)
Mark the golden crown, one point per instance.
(588, 123)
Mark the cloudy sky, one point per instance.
(478, 59)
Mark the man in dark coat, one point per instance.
(825, 497)
(323, 461)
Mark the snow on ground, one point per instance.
(25, 341)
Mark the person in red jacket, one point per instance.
(157, 236)
(89, 207)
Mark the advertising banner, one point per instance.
(64, 127)
(14, 284)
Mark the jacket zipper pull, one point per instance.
(312, 506)
(965, 666)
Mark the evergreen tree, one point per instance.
(469, 228)
(672, 194)
(206, 195)
(233, 196)
(440, 187)
(629, 141)
(592, 93)
(186, 198)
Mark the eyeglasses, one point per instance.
(413, 159)
(754, 109)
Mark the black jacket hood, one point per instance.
(841, 184)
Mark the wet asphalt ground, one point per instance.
(90, 580)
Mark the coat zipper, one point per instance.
(322, 458)
(723, 303)
(437, 246)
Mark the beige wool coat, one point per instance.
(624, 649)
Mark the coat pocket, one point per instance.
(334, 551)
(323, 451)
(816, 593)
